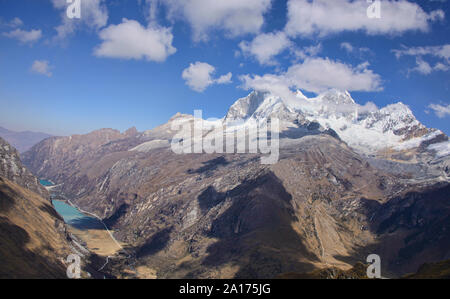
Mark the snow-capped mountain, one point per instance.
(316, 200)
(366, 128)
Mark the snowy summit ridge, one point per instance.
(366, 128)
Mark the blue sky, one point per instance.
(137, 63)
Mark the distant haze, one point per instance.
(22, 141)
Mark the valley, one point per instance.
(325, 204)
(89, 229)
(187, 142)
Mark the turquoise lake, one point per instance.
(46, 183)
(72, 215)
(75, 218)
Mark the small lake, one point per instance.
(46, 183)
(75, 218)
(72, 215)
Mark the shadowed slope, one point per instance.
(32, 236)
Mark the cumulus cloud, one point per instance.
(94, 15)
(265, 47)
(41, 67)
(322, 17)
(198, 76)
(235, 17)
(440, 110)
(441, 53)
(131, 40)
(25, 37)
(316, 75)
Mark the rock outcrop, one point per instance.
(12, 168)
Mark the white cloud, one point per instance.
(41, 67)
(16, 22)
(265, 47)
(440, 110)
(235, 17)
(317, 75)
(347, 47)
(198, 76)
(130, 40)
(94, 15)
(323, 17)
(422, 66)
(350, 49)
(437, 51)
(306, 52)
(441, 67)
(24, 36)
(224, 79)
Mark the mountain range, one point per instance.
(350, 181)
(22, 141)
(367, 129)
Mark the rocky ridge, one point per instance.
(12, 168)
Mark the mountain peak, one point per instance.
(300, 95)
(131, 132)
(366, 129)
(179, 115)
(245, 107)
(399, 108)
(337, 97)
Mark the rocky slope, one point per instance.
(55, 156)
(12, 168)
(357, 272)
(324, 204)
(33, 241)
(439, 270)
(33, 238)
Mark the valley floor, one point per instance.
(97, 241)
